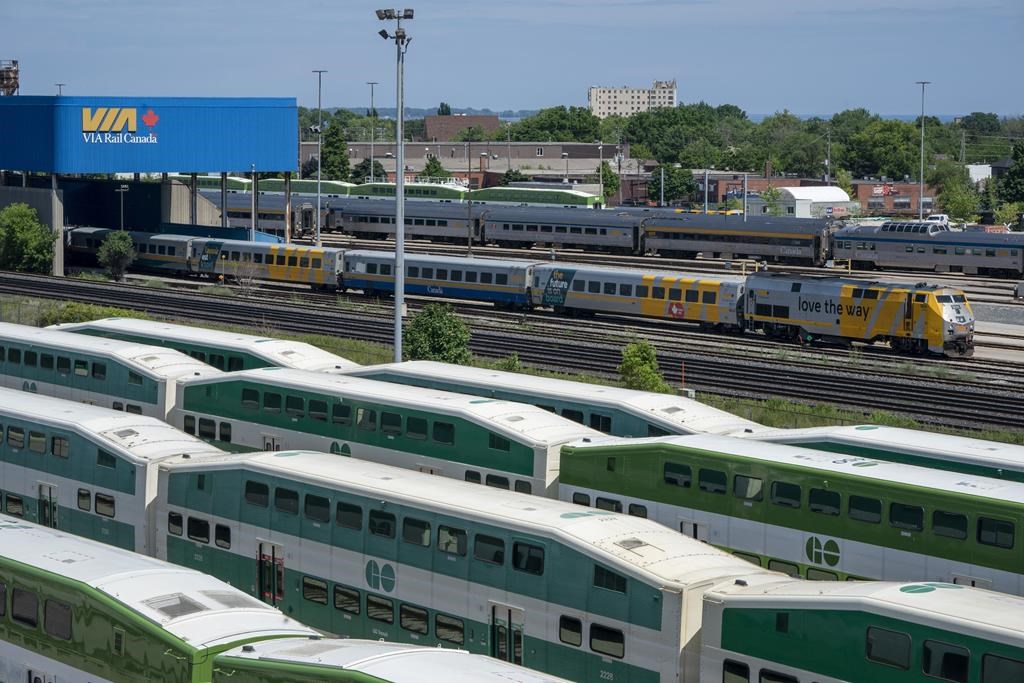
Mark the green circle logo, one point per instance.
(929, 587)
(822, 553)
(380, 577)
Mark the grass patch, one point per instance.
(219, 290)
(155, 283)
(92, 276)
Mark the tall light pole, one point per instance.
(60, 88)
(565, 155)
(600, 169)
(920, 191)
(373, 125)
(508, 131)
(319, 148)
(401, 45)
(469, 200)
(121, 190)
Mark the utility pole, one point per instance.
(661, 200)
(920, 196)
(828, 158)
(963, 145)
(319, 148)
(705, 191)
(744, 197)
(469, 200)
(508, 131)
(252, 190)
(373, 125)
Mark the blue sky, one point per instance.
(808, 56)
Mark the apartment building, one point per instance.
(625, 101)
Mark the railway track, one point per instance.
(934, 400)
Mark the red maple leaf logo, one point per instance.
(150, 119)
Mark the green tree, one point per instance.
(437, 333)
(116, 253)
(1009, 213)
(513, 175)
(361, 172)
(639, 368)
(434, 169)
(960, 201)
(563, 124)
(335, 153)
(609, 178)
(679, 183)
(444, 109)
(26, 245)
(844, 180)
(470, 134)
(946, 173)
(1011, 184)
(771, 196)
(884, 148)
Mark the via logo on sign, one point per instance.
(822, 553)
(380, 576)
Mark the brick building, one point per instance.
(444, 128)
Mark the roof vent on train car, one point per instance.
(748, 430)
(741, 582)
(248, 648)
(586, 439)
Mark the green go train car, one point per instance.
(223, 350)
(371, 551)
(764, 630)
(77, 611)
(497, 443)
(811, 513)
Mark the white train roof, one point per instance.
(280, 352)
(141, 439)
(525, 423)
(392, 662)
(153, 361)
(436, 259)
(864, 468)
(995, 454)
(198, 609)
(648, 551)
(962, 609)
(585, 269)
(675, 413)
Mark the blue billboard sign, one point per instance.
(148, 134)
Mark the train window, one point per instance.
(272, 403)
(304, 262)
(380, 609)
(995, 532)
(570, 631)
(920, 298)
(657, 292)
(45, 361)
(949, 524)
(814, 574)
(909, 249)
(712, 481)
(787, 568)
(903, 516)
(60, 447)
(735, 672)
(451, 540)
(939, 250)
(996, 669)
(15, 437)
(385, 269)
(581, 499)
(189, 424)
(786, 494)
(318, 264)
(366, 419)
(602, 423)
(546, 228)
(574, 415)
(24, 607)
(871, 294)
(341, 414)
(413, 619)
(607, 641)
(857, 293)
(257, 258)
(413, 271)
(609, 287)
(37, 442)
(64, 367)
(416, 531)
(222, 536)
(318, 410)
(747, 488)
(371, 268)
(449, 629)
(561, 229)
(575, 231)
(473, 477)
(865, 509)
(286, 501)
(641, 291)
(489, 549)
(959, 251)
(677, 475)
(314, 590)
(764, 310)
(134, 409)
(523, 486)
(175, 524)
(990, 252)
(441, 274)
(415, 428)
(348, 516)
(199, 530)
(391, 423)
(637, 510)
(709, 298)
(317, 508)
(888, 647)
(609, 580)
(578, 285)
(824, 502)
(134, 379)
(444, 433)
(382, 524)
(945, 661)
(625, 290)
(207, 428)
(608, 504)
(13, 505)
(346, 599)
(14, 356)
(692, 296)
(486, 278)
(30, 359)
(495, 481)
(293, 261)
(498, 443)
(456, 276)
(81, 368)
(767, 676)
(675, 294)
(85, 502)
(594, 287)
(428, 273)
(257, 494)
(234, 363)
(294, 406)
(528, 558)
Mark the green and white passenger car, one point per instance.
(497, 443)
(811, 513)
(770, 631)
(611, 410)
(121, 375)
(223, 350)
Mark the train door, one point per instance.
(507, 633)
(37, 676)
(47, 510)
(270, 573)
(271, 442)
(308, 227)
(693, 529)
(908, 313)
(209, 257)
